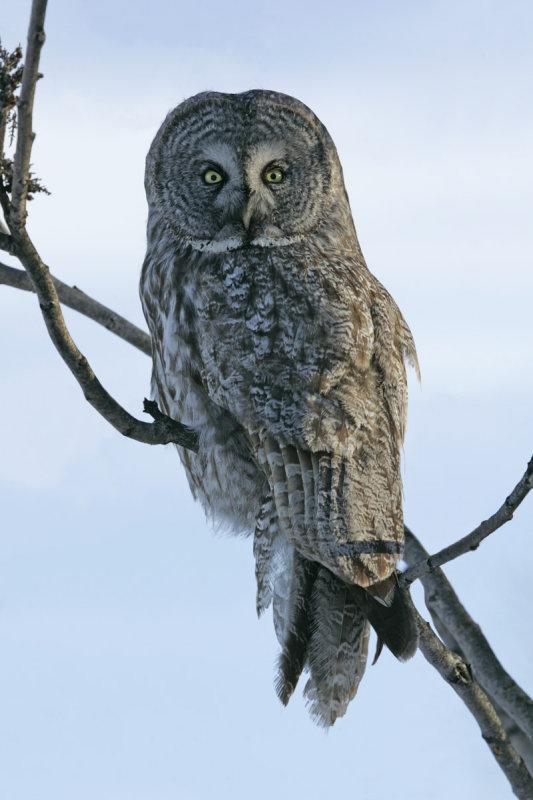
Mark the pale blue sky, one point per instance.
(132, 662)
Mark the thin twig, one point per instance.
(74, 298)
(473, 539)
(457, 674)
(465, 636)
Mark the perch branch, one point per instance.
(456, 673)
(459, 631)
(473, 539)
(74, 298)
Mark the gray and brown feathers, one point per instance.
(272, 338)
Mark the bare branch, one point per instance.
(520, 741)
(457, 674)
(25, 136)
(163, 430)
(463, 635)
(74, 298)
(473, 539)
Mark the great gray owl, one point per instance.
(272, 339)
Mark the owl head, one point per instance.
(233, 170)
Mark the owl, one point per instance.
(274, 341)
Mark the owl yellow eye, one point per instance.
(273, 175)
(212, 176)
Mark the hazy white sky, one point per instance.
(132, 663)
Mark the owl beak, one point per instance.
(247, 213)
(251, 220)
(247, 216)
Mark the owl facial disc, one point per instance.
(247, 170)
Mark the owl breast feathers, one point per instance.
(271, 338)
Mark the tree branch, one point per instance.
(473, 539)
(463, 635)
(25, 134)
(74, 298)
(163, 430)
(457, 675)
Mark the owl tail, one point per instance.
(394, 621)
(327, 630)
(337, 651)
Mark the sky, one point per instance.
(133, 665)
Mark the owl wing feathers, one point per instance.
(334, 468)
(344, 512)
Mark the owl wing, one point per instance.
(335, 478)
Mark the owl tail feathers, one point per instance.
(297, 629)
(395, 623)
(327, 632)
(338, 649)
(384, 591)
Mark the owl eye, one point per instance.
(211, 176)
(273, 175)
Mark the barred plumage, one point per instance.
(272, 338)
